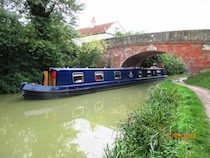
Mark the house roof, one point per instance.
(98, 29)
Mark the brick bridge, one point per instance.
(192, 47)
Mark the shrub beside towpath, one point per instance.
(171, 123)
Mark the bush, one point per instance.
(145, 130)
(10, 83)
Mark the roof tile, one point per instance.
(98, 29)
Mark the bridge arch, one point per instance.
(191, 47)
(138, 59)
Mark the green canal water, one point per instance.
(74, 127)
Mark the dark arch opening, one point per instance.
(172, 64)
(138, 59)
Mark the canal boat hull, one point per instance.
(63, 89)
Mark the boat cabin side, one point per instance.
(71, 76)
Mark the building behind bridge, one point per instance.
(99, 32)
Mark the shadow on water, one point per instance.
(72, 127)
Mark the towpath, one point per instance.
(202, 93)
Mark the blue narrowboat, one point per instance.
(64, 82)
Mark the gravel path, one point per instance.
(202, 93)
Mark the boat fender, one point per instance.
(22, 85)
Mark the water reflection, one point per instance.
(91, 140)
(71, 127)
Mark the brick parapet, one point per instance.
(189, 36)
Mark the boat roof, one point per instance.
(101, 69)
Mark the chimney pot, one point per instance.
(93, 22)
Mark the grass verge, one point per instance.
(171, 123)
(202, 79)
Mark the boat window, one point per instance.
(140, 73)
(99, 76)
(131, 74)
(149, 72)
(117, 75)
(78, 77)
(158, 72)
(153, 73)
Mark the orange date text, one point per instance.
(181, 135)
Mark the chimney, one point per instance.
(93, 22)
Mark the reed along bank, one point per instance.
(171, 123)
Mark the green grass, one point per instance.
(202, 80)
(169, 109)
(191, 118)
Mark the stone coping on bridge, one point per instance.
(186, 36)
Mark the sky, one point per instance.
(148, 15)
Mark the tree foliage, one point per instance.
(15, 59)
(55, 49)
(171, 64)
(89, 54)
(61, 10)
(153, 59)
(11, 41)
(45, 41)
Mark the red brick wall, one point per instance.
(195, 57)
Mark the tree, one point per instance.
(61, 10)
(49, 37)
(89, 54)
(12, 34)
(54, 48)
(45, 41)
(151, 60)
(15, 60)
(171, 64)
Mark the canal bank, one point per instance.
(172, 123)
(202, 93)
(73, 127)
